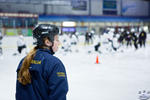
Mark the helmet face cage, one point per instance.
(42, 31)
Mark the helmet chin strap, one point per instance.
(50, 48)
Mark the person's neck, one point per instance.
(45, 47)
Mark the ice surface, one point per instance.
(119, 76)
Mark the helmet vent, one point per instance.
(45, 32)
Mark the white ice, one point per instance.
(118, 76)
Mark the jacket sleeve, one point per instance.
(57, 82)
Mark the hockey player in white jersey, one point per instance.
(1, 37)
(21, 45)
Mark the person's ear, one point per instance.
(48, 43)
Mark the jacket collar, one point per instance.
(47, 50)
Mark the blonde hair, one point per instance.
(24, 76)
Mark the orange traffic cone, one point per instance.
(97, 61)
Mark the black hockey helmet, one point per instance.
(45, 30)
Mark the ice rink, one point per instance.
(118, 76)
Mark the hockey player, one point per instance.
(74, 38)
(21, 44)
(122, 37)
(97, 46)
(134, 38)
(66, 44)
(91, 36)
(74, 41)
(129, 39)
(112, 44)
(40, 75)
(87, 38)
(1, 37)
(142, 38)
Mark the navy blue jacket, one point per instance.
(48, 79)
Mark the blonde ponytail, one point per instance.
(24, 76)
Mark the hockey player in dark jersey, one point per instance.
(142, 38)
